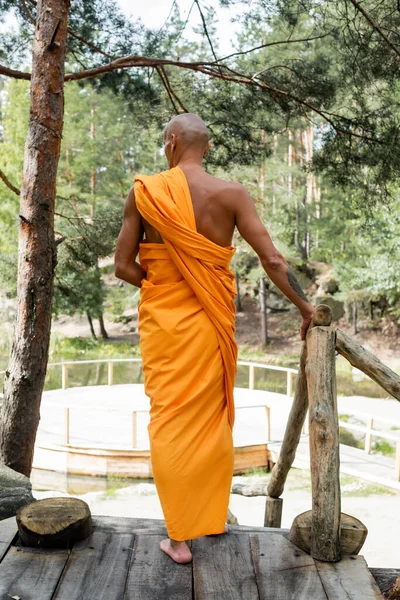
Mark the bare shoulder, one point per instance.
(231, 191)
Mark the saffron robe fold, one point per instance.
(189, 353)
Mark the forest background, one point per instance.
(320, 162)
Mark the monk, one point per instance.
(180, 223)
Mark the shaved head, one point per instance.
(187, 132)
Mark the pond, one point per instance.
(85, 374)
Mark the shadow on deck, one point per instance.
(122, 560)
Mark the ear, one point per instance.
(173, 140)
(207, 149)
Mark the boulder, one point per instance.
(15, 491)
(336, 306)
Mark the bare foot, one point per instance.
(178, 551)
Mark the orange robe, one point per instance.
(186, 326)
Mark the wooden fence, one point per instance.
(316, 393)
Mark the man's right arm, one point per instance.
(253, 231)
(131, 234)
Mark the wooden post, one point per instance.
(134, 429)
(397, 466)
(251, 377)
(64, 376)
(322, 316)
(364, 360)
(324, 444)
(368, 435)
(268, 415)
(110, 374)
(289, 383)
(273, 512)
(263, 313)
(66, 425)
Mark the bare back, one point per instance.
(213, 206)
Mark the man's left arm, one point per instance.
(127, 248)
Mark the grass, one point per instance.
(344, 418)
(75, 348)
(251, 354)
(300, 479)
(384, 447)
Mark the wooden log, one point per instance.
(324, 444)
(273, 512)
(364, 360)
(322, 316)
(353, 533)
(54, 522)
(254, 489)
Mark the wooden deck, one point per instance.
(121, 560)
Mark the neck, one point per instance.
(187, 164)
(189, 159)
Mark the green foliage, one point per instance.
(77, 348)
(384, 447)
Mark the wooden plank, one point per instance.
(8, 530)
(97, 567)
(128, 524)
(157, 526)
(222, 568)
(348, 579)
(30, 573)
(154, 575)
(283, 571)
(324, 444)
(385, 578)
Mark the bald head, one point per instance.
(186, 132)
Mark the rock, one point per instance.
(329, 286)
(277, 302)
(15, 491)
(231, 519)
(336, 306)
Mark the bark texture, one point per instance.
(25, 376)
(324, 444)
(322, 316)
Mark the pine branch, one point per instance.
(9, 184)
(375, 26)
(172, 95)
(206, 30)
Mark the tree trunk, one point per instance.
(263, 312)
(25, 376)
(103, 331)
(355, 317)
(238, 300)
(92, 331)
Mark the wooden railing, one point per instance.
(134, 413)
(111, 361)
(316, 392)
(290, 373)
